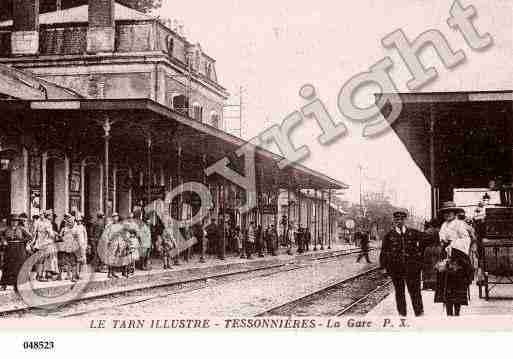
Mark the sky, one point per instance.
(272, 48)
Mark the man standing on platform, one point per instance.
(298, 234)
(198, 232)
(251, 239)
(364, 246)
(402, 257)
(260, 241)
(272, 240)
(211, 230)
(307, 238)
(145, 242)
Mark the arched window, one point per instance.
(215, 120)
(197, 112)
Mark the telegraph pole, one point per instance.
(360, 167)
(240, 113)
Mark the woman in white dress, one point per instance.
(455, 272)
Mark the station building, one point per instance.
(105, 108)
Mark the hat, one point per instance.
(115, 214)
(450, 206)
(400, 214)
(68, 218)
(23, 217)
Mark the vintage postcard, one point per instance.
(233, 165)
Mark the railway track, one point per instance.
(352, 296)
(85, 306)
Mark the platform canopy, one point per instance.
(19, 84)
(77, 125)
(459, 139)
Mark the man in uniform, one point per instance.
(402, 257)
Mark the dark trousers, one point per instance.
(452, 309)
(270, 246)
(259, 247)
(300, 244)
(412, 282)
(221, 247)
(249, 249)
(363, 254)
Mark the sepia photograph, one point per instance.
(255, 166)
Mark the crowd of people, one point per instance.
(443, 258)
(256, 240)
(119, 246)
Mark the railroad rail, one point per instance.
(168, 289)
(353, 295)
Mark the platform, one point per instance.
(500, 303)
(178, 276)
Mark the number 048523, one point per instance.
(38, 345)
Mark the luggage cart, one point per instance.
(495, 250)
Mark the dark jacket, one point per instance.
(403, 253)
(364, 242)
(213, 232)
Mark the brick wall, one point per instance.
(134, 37)
(63, 41)
(101, 13)
(26, 15)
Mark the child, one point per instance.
(167, 244)
(132, 252)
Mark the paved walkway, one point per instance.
(500, 303)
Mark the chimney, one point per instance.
(25, 33)
(101, 31)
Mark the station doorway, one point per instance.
(92, 189)
(5, 192)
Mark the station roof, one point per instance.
(472, 140)
(80, 14)
(169, 128)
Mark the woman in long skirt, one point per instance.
(455, 272)
(82, 241)
(70, 248)
(45, 236)
(16, 238)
